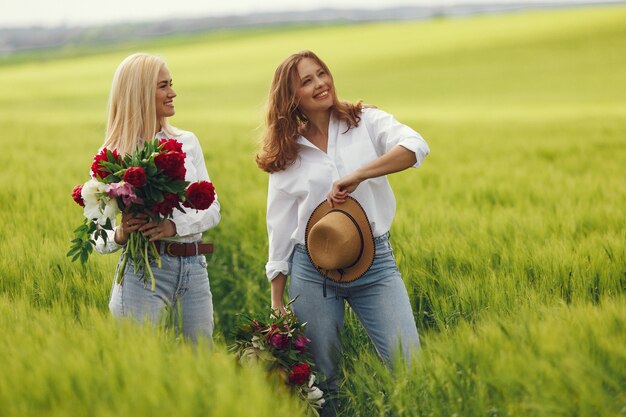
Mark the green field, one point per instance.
(511, 237)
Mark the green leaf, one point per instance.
(151, 170)
(157, 195)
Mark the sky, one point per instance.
(16, 13)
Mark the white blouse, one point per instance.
(191, 224)
(295, 192)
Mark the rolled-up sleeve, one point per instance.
(110, 246)
(197, 221)
(282, 222)
(386, 132)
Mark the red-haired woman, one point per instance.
(316, 148)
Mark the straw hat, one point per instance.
(339, 240)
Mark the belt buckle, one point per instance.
(168, 249)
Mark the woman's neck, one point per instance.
(318, 123)
(317, 129)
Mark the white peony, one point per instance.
(256, 344)
(315, 394)
(95, 196)
(110, 211)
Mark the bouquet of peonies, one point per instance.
(150, 181)
(279, 343)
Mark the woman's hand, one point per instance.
(130, 223)
(397, 159)
(279, 311)
(155, 231)
(278, 294)
(342, 187)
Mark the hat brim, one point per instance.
(366, 260)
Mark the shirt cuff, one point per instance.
(418, 146)
(111, 245)
(273, 268)
(182, 227)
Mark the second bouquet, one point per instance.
(151, 181)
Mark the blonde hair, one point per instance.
(131, 113)
(285, 120)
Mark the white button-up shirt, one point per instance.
(295, 192)
(191, 224)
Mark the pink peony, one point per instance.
(301, 343)
(279, 341)
(125, 191)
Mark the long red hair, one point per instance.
(284, 119)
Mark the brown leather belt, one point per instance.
(184, 249)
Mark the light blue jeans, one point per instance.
(182, 296)
(379, 299)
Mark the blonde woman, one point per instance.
(323, 153)
(141, 100)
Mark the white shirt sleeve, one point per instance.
(386, 132)
(197, 221)
(282, 222)
(110, 246)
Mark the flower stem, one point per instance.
(122, 267)
(147, 267)
(155, 254)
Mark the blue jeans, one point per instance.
(379, 299)
(182, 295)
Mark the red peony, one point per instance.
(77, 195)
(171, 145)
(299, 373)
(172, 163)
(135, 176)
(166, 206)
(97, 170)
(200, 195)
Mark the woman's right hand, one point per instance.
(279, 309)
(278, 294)
(130, 223)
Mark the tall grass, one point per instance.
(54, 364)
(560, 361)
(512, 233)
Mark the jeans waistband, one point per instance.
(381, 238)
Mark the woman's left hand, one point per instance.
(342, 187)
(155, 231)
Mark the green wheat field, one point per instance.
(511, 237)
